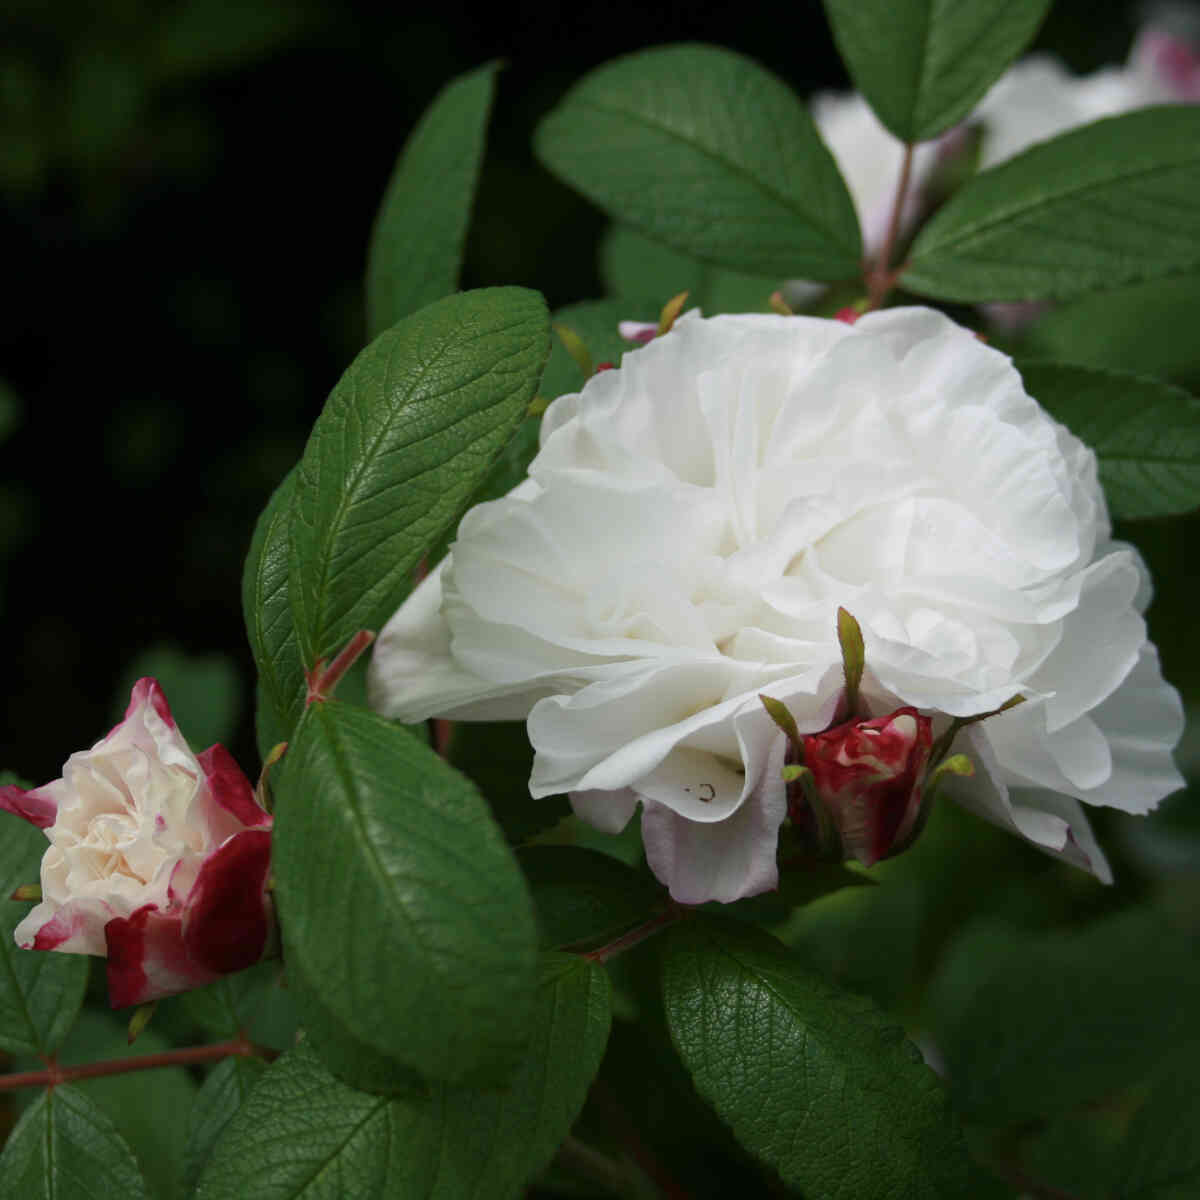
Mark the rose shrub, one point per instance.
(688, 530)
(158, 858)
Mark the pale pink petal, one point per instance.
(723, 860)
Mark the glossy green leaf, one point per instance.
(645, 274)
(1035, 1024)
(341, 1052)
(583, 897)
(257, 1002)
(400, 898)
(65, 1148)
(1145, 433)
(417, 243)
(1160, 1159)
(304, 1133)
(1147, 328)
(710, 153)
(148, 1109)
(1111, 203)
(922, 64)
(270, 626)
(405, 438)
(223, 1093)
(40, 990)
(815, 1081)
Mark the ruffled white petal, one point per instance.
(691, 525)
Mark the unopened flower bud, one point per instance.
(867, 781)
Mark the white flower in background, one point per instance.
(870, 159)
(1036, 98)
(689, 529)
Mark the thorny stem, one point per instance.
(880, 279)
(53, 1075)
(638, 934)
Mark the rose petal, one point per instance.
(723, 860)
(230, 789)
(38, 806)
(147, 958)
(226, 921)
(608, 812)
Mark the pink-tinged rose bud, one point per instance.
(638, 331)
(158, 858)
(1173, 63)
(868, 778)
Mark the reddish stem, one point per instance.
(880, 279)
(637, 935)
(323, 679)
(54, 1074)
(441, 731)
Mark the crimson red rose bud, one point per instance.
(868, 778)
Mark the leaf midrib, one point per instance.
(1004, 215)
(731, 165)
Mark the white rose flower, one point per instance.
(691, 525)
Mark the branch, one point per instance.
(54, 1074)
(880, 279)
(637, 935)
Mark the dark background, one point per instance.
(186, 192)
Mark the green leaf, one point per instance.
(304, 1133)
(40, 990)
(203, 37)
(148, 1109)
(204, 691)
(257, 1002)
(582, 896)
(400, 898)
(1145, 433)
(223, 1093)
(817, 1082)
(341, 1052)
(1146, 328)
(417, 243)
(645, 274)
(922, 64)
(270, 627)
(1112, 203)
(65, 1148)
(1160, 1159)
(1035, 1024)
(405, 438)
(498, 759)
(706, 151)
